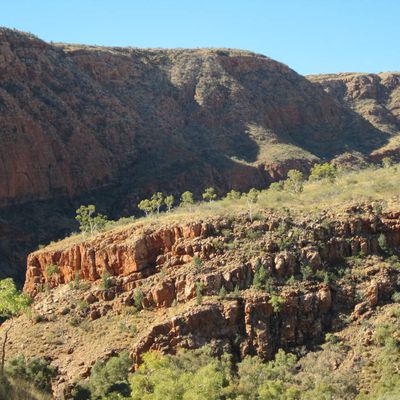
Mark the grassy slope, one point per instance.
(359, 186)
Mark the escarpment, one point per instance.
(241, 287)
(136, 252)
(81, 122)
(376, 97)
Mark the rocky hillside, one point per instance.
(83, 124)
(316, 274)
(243, 287)
(376, 97)
(76, 118)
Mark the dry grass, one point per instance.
(19, 390)
(367, 185)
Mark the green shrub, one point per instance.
(196, 262)
(396, 297)
(233, 195)
(294, 182)
(187, 200)
(387, 162)
(260, 276)
(199, 292)
(307, 272)
(209, 194)
(235, 294)
(222, 293)
(383, 243)
(36, 371)
(276, 186)
(276, 302)
(110, 377)
(52, 270)
(138, 297)
(106, 281)
(323, 172)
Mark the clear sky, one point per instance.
(311, 36)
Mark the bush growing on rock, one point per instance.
(199, 293)
(260, 276)
(138, 298)
(106, 281)
(52, 270)
(276, 302)
(197, 263)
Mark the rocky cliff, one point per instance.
(376, 97)
(83, 124)
(75, 118)
(195, 283)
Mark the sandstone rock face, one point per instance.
(122, 123)
(262, 330)
(376, 97)
(134, 253)
(75, 118)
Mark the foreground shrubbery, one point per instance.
(20, 389)
(197, 375)
(191, 375)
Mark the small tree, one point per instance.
(209, 194)
(260, 276)
(12, 303)
(222, 293)
(276, 186)
(199, 292)
(157, 201)
(294, 182)
(169, 202)
(276, 302)
(89, 222)
(146, 206)
(387, 162)
(251, 199)
(109, 380)
(233, 195)
(187, 200)
(323, 172)
(138, 297)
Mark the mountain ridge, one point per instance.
(82, 124)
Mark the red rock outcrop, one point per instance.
(302, 318)
(134, 253)
(130, 253)
(77, 119)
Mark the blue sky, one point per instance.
(311, 36)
